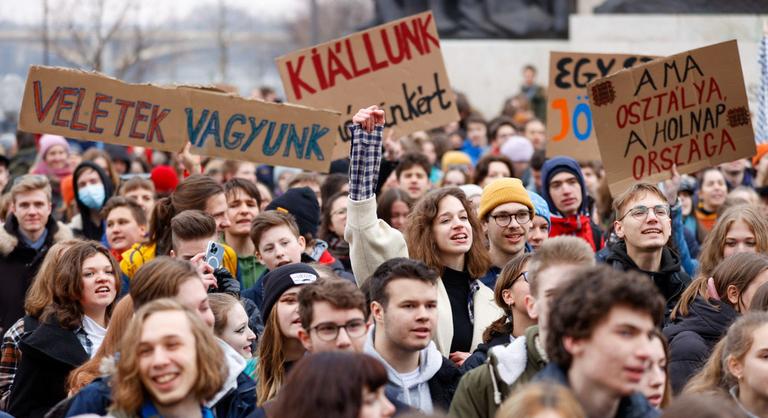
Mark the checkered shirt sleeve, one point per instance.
(10, 355)
(365, 162)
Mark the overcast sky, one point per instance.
(30, 11)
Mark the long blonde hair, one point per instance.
(129, 394)
(715, 375)
(271, 368)
(712, 249)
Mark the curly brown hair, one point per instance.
(128, 396)
(422, 245)
(581, 305)
(65, 304)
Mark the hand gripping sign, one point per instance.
(94, 107)
(688, 110)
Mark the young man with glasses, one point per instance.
(643, 225)
(506, 212)
(333, 316)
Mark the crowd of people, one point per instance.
(458, 272)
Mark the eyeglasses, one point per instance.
(640, 213)
(328, 331)
(524, 275)
(504, 219)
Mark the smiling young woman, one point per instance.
(70, 329)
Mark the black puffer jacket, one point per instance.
(671, 279)
(19, 264)
(692, 337)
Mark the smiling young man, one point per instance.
(403, 294)
(506, 212)
(643, 225)
(28, 233)
(169, 365)
(599, 341)
(563, 187)
(126, 224)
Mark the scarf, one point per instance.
(575, 225)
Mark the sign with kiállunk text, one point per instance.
(569, 118)
(688, 110)
(398, 66)
(94, 107)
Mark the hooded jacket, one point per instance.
(671, 279)
(85, 227)
(49, 354)
(632, 406)
(692, 338)
(580, 224)
(236, 399)
(434, 386)
(482, 390)
(19, 264)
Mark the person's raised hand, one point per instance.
(369, 117)
(672, 186)
(189, 161)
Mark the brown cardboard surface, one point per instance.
(570, 130)
(94, 107)
(689, 110)
(398, 66)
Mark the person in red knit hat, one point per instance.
(165, 179)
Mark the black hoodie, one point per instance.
(671, 279)
(692, 338)
(91, 230)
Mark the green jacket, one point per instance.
(482, 390)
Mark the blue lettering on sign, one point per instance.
(271, 150)
(212, 129)
(313, 147)
(194, 131)
(237, 136)
(304, 146)
(298, 143)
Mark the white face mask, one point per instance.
(92, 195)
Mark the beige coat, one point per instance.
(372, 242)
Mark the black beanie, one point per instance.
(281, 279)
(301, 202)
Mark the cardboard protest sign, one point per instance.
(398, 66)
(688, 110)
(94, 107)
(569, 118)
